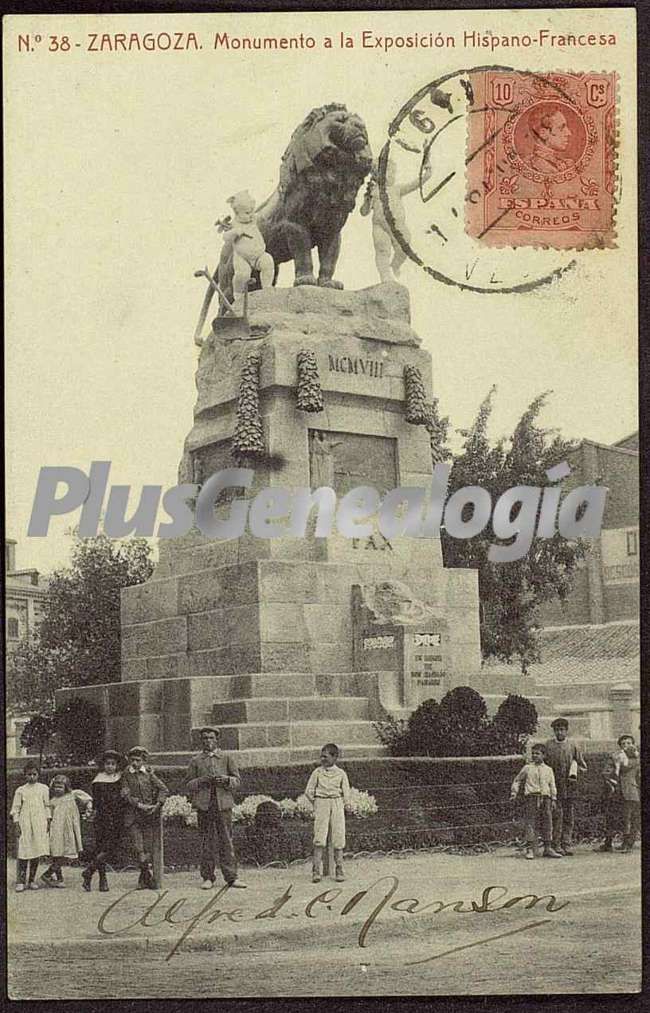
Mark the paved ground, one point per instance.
(282, 937)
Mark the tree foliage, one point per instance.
(37, 734)
(511, 593)
(79, 730)
(77, 642)
(74, 731)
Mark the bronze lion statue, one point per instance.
(321, 172)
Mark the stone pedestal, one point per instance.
(257, 634)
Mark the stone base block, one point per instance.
(267, 758)
(291, 709)
(293, 734)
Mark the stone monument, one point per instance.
(286, 643)
(290, 642)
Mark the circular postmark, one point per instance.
(428, 140)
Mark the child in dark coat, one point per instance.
(108, 823)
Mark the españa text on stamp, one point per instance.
(541, 159)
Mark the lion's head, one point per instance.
(329, 133)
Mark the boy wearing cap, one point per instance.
(212, 777)
(143, 794)
(565, 759)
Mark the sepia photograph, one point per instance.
(322, 650)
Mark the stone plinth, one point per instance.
(256, 634)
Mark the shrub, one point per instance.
(289, 808)
(421, 801)
(422, 730)
(393, 733)
(513, 724)
(459, 726)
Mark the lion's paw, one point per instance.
(305, 279)
(329, 283)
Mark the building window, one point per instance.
(13, 630)
(632, 543)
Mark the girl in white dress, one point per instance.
(30, 815)
(65, 826)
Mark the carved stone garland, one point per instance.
(309, 391)
(248, 438)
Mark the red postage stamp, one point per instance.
(541, 159)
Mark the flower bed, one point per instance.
(359, 806)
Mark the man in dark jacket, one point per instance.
(211, 779)
(143, 793)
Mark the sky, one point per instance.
(117, 165)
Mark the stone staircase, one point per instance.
(291, 726)
(268, 718)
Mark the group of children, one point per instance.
(547, 787)
(47, 821)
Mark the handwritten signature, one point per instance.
(383, 891)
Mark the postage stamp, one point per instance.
(426, 151)
(541, 159)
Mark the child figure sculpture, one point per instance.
(389, 255)
(249, 248)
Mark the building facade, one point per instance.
(25, 593)
(590, 645)
(606, 586)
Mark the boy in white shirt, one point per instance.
(540, 795)
(328, 789)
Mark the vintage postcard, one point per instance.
(322, 537)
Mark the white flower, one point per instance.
(176, 806)
(360, 804)
(304, 808)
(288, 807)
(245, 811)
